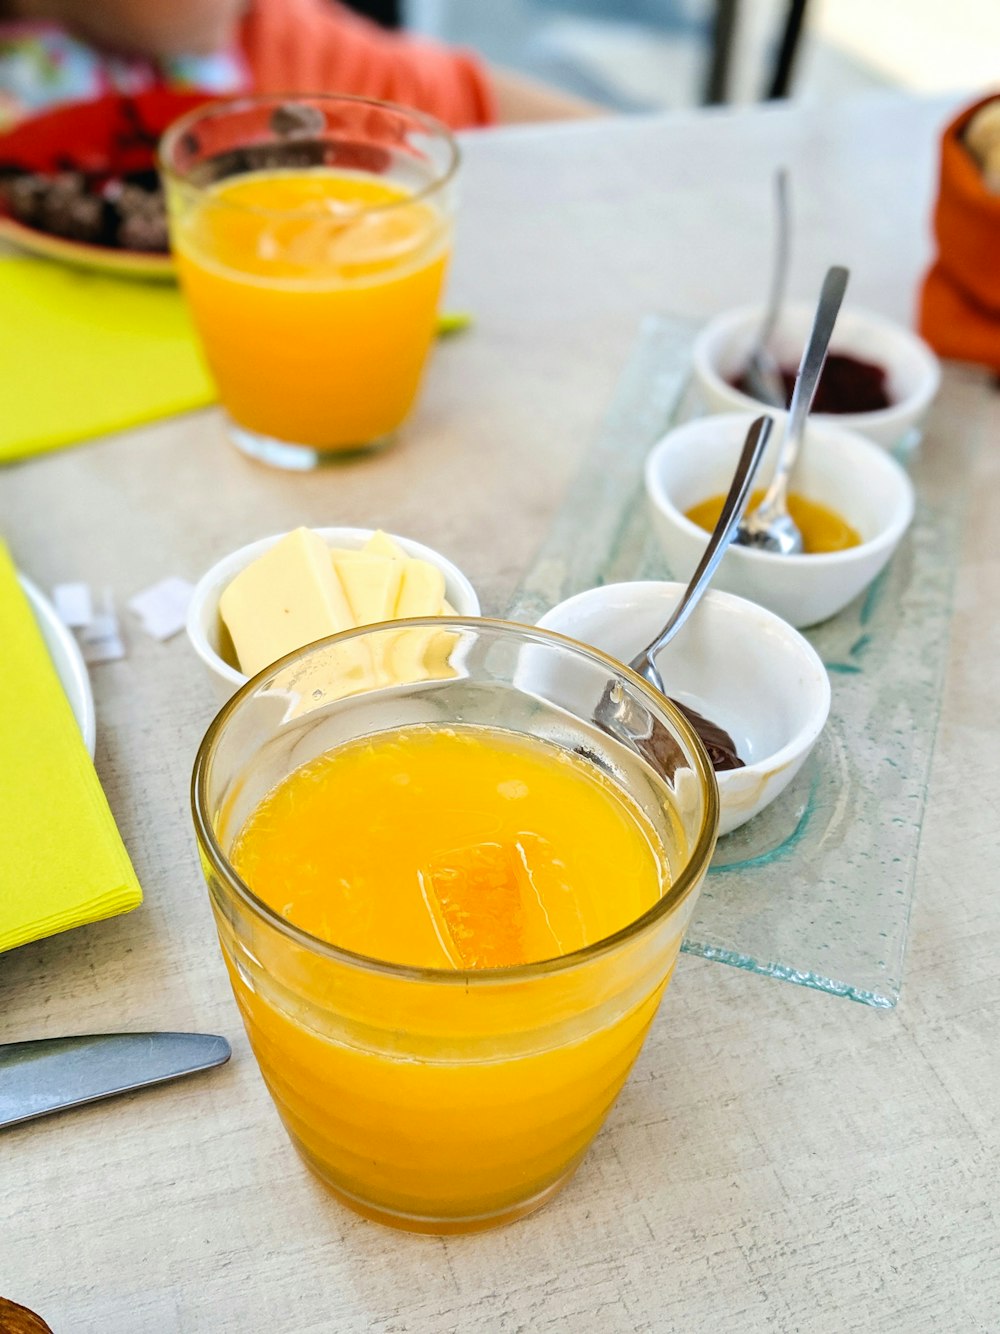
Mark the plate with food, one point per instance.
(66, 659)
(79, 183)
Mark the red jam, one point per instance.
(847, 384)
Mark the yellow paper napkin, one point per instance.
(83, 354)
(62, 860)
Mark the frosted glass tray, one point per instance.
(817, 889)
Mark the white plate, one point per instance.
(67, 660)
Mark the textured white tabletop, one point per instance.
(780, 1160)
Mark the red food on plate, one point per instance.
(84, 173)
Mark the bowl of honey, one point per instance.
(879, 378)
(852, 501)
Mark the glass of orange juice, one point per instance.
(311, 237)
(451, 864)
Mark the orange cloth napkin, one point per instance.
(62, 860)
(960, 297)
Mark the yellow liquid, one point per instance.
(315, 294)
(441, 1107)
(451, 848)
(822, 529)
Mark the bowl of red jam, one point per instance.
(879, 379)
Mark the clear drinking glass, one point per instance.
(311, 236)
(426, 1098)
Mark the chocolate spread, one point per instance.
(663, 752)
(719, 744)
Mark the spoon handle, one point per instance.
(779, 273)
(806, 383)
(722, 535)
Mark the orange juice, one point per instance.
(315, 294)
(455, 849)
(451, 848)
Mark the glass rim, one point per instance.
(223, 105)
(690, 875)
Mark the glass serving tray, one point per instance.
(816, 889)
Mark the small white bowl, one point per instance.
(838, 468)
(204, 626)
(913, 372)
(735, 663)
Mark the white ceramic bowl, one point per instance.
(735, 663)
(842, 470)
(913, 371)
(204, 627)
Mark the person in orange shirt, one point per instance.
(69, 50)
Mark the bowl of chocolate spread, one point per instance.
(753, 688)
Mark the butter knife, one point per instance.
(50, 1074)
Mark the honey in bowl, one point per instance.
(823, 529)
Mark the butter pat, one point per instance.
(287, 597)
(420, 655)
(421, 590)
(383, 583)
(372, 584)
(381, 544)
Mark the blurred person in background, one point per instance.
(54, 51)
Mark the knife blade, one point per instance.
(51, 1074)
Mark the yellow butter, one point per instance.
(371, 583)
(287, 597)
(301, 590)
(421, 591)
(381, 544)
(420, 655)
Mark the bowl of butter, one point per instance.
(277, 594)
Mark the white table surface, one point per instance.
(780, 1160)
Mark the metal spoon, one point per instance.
(770, 526)
(762, 373)
(624, 715)
(722, 535)
(621, 714)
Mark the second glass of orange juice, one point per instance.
(450, 885)
(311, 237)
